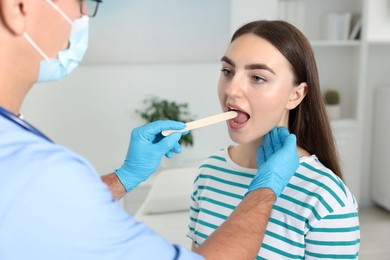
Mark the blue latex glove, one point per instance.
(277, 159)
(146, 149)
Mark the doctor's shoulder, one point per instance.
(61, 163)
(30, 162)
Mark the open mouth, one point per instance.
(241, 117)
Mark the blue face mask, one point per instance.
(53, 69)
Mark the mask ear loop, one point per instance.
(59, 11)
(35, 46)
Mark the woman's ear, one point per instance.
(13, 15)
(297, 95)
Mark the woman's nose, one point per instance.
(235, 87)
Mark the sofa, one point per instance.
(166, 206)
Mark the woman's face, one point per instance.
(258, 82)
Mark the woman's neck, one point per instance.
(245, 154)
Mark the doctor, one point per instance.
(53, 204)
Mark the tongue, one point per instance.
(241, 117)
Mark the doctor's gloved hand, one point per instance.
(277, 160)
(146, 149)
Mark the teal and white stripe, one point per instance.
(315, 217)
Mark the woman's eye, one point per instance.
(226, 72)
(258, 79)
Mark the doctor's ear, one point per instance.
(297, 95)
(13, 14)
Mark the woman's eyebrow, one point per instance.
(256, 66)
(259, 66)
(229, 61)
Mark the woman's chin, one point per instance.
(243, 139)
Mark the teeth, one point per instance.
(232, 109)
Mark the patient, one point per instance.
(269, 76)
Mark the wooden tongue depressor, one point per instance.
(203, 122)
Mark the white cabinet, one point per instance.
(380, 191)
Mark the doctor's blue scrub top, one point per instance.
(53, 205)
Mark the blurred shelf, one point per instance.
(379, 43)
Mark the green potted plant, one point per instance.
(160, 109)
(332, 103)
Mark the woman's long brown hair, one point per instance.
(309, 120)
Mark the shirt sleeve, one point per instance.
(336, 236)
(67, 212)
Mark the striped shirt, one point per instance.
(316, 216)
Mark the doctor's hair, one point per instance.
(309, 120)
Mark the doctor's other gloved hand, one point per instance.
(146, 149)
(277, 160)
